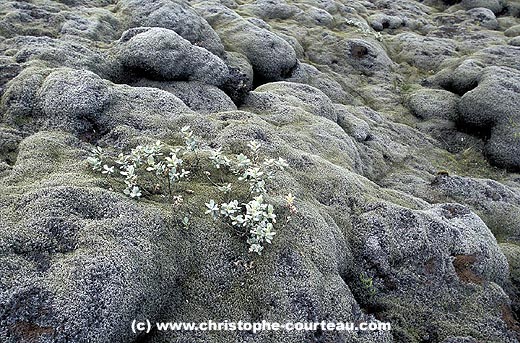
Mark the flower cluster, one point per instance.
(190, 143)
(256, 173)
(218, 159)
(256, 218)
(289, 203)
(153, 158)
(364, 28)
(96, 160)
(252, 218)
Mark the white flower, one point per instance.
(190, 142)
(281, 163)
(256, 248)
(240, 220)
(258, 186)
(257, 232)
(230, 208)
(158, 147)
(95, 163)
(184, 173)
(134, 192)
(268, 234)
(269, 214)
(97, 151)
(173, 161)
(218, 159)
(173, 174)
(107, 170)
(159, 168)
(252, 173)
(289, 199)
(259, 199)
(242, 161)
(128, 171)
(225, 188)
(126, 159)
(212, 209)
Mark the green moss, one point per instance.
(469, 162)
(512, 253)
(445, 317)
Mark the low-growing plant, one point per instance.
(368, 284)
(516, 128)
(251, 216)
(364, 28)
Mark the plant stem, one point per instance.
(213, 183)
(169, 187)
